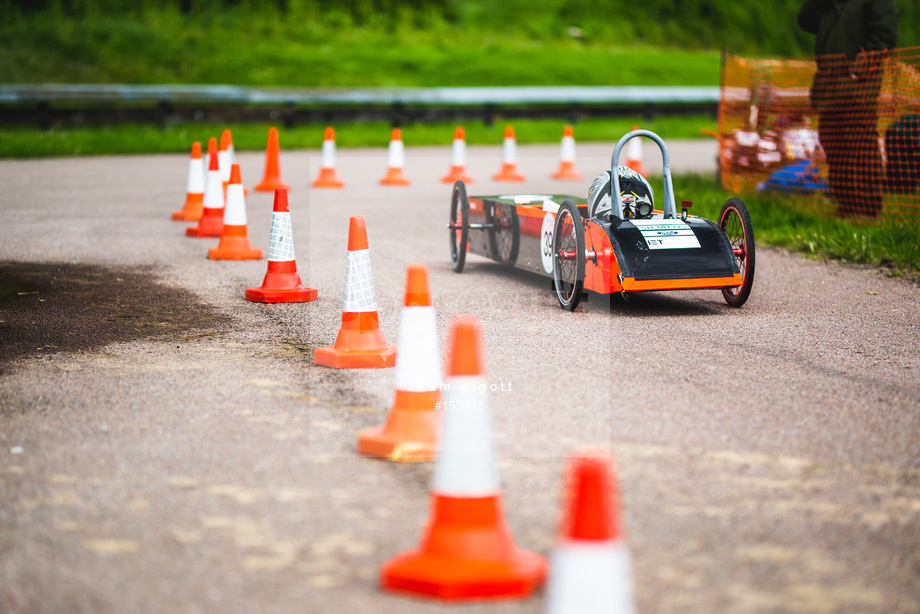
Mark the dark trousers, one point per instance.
(848, 130)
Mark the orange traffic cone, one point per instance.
(634, 154)
(223, 159)
(566, 168)
(411, 431)
(194, 190)
(226, 145)
(590, 570)
(328, 177)
(282, 282)
(396, 161)
(234, 240)
(509, 170)
(272, 180)
(211, 223)
(467, 551)
(458, 160)
(360, 343)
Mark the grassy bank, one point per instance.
(28, 142)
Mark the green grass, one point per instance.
(122, 51)
(29, 142)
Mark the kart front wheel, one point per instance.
(459, 226)
(569, 255)
(735, 221)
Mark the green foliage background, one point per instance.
(395, 42)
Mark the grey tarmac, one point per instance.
(167, 446)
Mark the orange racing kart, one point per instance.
(630, 247)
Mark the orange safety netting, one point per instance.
(843, 135)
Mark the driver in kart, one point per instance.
(635, 192)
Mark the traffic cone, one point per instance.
(509, 170)
(272, 180)
(396, 161)
(566, 168)
(234, 240)
(590, 568)
(211, 223)
(360, 343)
(411, 431)
(467, 551)
(328, 177)
(458, 160)
(634, 155)
(282, 282)
(223, 160)
(231, 160)
(194, 190)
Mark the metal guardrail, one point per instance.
(48, 104)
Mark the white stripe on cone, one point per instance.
(509, 150)
(235, 209)
(589, 577)
(281, 240)
(568, 149)
(328, 155)
(634, 150)
(396, 156)
(465, 465)
(223, 165)
(213, 191)
(418, 361)
(195, 184)
(359, 283)
(458, 153)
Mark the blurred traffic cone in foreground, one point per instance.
(467, 551)
(234, 240)
(458, 160)
(194, 190)
(634, 154)
(566, 168)
(211, 223)
(282, 282)
(328, 177)
(590, 568)
(271, 179)
(360, 343)
(396, 161)
(411, 431)
(509, 170)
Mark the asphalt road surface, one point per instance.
(167, 446)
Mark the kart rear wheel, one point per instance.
(459, 225)
(504, 234)
(736, 223)
(569, 255)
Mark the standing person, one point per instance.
(850, 43)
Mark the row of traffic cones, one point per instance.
(467, 550)
(395, 174)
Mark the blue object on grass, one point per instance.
(803, 176)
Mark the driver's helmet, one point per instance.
(635, 192)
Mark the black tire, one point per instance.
(504, 235)
(459, 226)
(735, 222)
(568, 255)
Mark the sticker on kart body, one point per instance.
(526, 199)
(546, 242)
(667, 234)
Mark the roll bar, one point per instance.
(667, 198)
